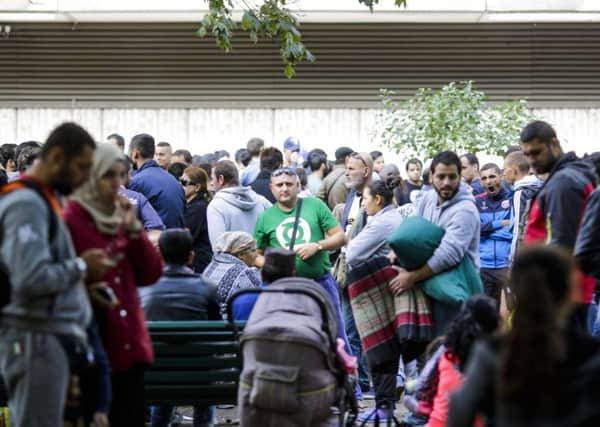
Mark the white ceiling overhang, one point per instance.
(443, 11)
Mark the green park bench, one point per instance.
(196, 363)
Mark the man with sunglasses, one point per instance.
(317, 232)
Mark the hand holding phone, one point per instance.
(102, 295)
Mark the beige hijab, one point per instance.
(107, 218)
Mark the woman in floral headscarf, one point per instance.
(232, 265)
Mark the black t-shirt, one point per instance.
(403, 193)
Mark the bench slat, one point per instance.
(194, 348)
(197, 363)
(201, 325)
(191, 377)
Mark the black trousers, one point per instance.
(384, 383)
(128, 408)
(494, 281)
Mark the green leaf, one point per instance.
(201, 32)
(289, 71)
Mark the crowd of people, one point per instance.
(96, 240)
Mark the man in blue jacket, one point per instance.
(496, 231)
(162, 190)
(180, 294)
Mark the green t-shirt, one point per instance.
(274, 229)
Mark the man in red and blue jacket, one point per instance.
(558, 208)
(495, 213)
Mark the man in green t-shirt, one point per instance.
(318, 232)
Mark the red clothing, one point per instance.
(449, 380)
(557, 210)
(123, 329)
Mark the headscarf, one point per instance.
(107, 218)
(235, 243)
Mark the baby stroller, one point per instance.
(292, 375)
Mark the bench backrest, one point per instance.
(196, 363)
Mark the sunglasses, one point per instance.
(185, 182)
(284, 171)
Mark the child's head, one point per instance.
(477, 318)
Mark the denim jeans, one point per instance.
(594, 319)
(161, 416)
(355, 342)
(330, 285)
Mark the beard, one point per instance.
(452, 192)
(63, 184)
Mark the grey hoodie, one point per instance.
(459, 217)
(234, 209)
(48, 294)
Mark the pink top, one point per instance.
(449, 380)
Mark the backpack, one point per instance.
(5, 286)
(292, 374)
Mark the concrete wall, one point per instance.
(205, 130)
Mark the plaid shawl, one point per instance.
(388, 325)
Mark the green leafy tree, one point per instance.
(457, 117)
(272, 20)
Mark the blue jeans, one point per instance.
(330, 285)
(161, 416)
(355, 341)
(594, 319)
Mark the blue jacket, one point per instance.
(496, 239)
(180, 294)
(146, 213)
(163, 192)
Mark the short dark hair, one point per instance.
(219, 154)
(187, 156)
(8, 152)
(315, 159)
(26, 157)
(279, 263)
(414, 161)
(243, 156)
(491, 166)
(518, 159)
(471, 158)
(427, 176)
(540, 130)
(385, 189)
(341, 154)
(271, 158)
(176, 169)
(26, 144)
(164, 144)
(120, 140)
(144, 143)
(254, 146)
(227, 169)
(375, 154)
(302, 177)
(70, 137)
(446, 158)
(512, 149)
(175, 245)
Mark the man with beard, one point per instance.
(452, 207)
(45, 305)
(496, 231)
(558, 208)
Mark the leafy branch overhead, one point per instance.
(271, 20)
(457, 117)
